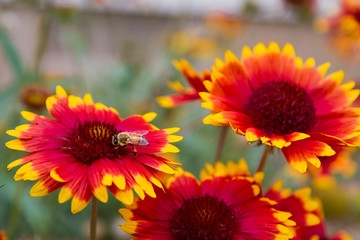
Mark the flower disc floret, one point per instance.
(90, 141)
(280, 107)
(203, 218)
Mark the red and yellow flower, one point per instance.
(75, 152)
(348, 9)
(183, 94)
(272, 96)
(216, 208)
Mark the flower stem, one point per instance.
(220, 145)
(263, 159)
(93, 218)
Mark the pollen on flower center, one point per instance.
(281, 107)
(92, 140)
(203, 218)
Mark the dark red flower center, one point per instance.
(355, 13)
(281, 107)
(203, 218)
(92, 140)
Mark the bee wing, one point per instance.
(140, 132)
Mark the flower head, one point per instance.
(348, 9)
(272, 96)
(183, 94)
(79, 153)
(216, 208)
(34, 96)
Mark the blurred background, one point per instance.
(121, 51)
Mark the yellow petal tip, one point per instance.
(170, 149)
(60, 91)
(148, 117)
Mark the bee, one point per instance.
(122, 139)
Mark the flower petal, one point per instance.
(303, 151)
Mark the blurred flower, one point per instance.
(324, 177)
(336, 197)
(223, 24)
(3, 235)
(80, 152)
(306, 206)
(343, 29)
(340, 163)
(274, 97)
(318, 231)
(216, 208)
(190, 43)
(348, 9)
(34, 96)
(183, 94)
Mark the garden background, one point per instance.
(121, 52)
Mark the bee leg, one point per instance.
(134, 149)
